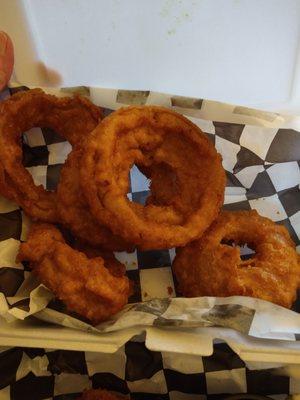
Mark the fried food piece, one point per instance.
(92, 287)
(211, 267)
(158, 141)
(74, 211)
(115, 267)
(100, 394)
(71, 117)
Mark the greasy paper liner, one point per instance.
(261, 159)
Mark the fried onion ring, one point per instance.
(72, 118)
(152, 138)
(115, 266)
(95, 288)
(75, 214)
(210, 267)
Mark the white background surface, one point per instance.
(239, 51)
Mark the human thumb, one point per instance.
(6, 59)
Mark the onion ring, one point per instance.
(74, 212)
(95, 288)
(152, 138)
(115, 266)
(210, 267)
(72, 118)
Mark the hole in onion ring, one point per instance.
(157, 186)
(247, 251)
(139, 186)
(44, 152)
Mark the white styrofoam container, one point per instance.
(252, 350)
(238, 51)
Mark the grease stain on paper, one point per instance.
(176, 12)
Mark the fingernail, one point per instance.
(3, 42)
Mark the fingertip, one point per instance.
(6, 59)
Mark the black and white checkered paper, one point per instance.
(37, 374)
(263, 173)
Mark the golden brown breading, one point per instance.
(92, 287)
(71, 117)
(74, 211)
(115, 267)
(210, 267)
(159, 141)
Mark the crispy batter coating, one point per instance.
(100, 394)
(93, 287)
(72, 118)
(115, 267)
(159, 141)
(211, 267)
(74, 211)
